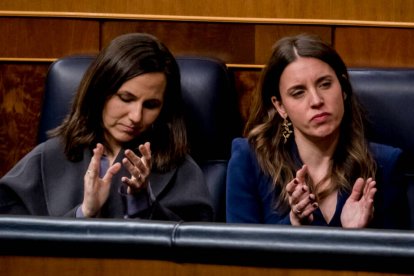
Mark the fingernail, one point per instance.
(315, 205)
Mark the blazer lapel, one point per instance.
(159, 181)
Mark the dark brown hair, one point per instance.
(126, 57)
(263, 129)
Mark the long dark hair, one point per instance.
(126, 57)
(264, 126)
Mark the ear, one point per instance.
(279, 107)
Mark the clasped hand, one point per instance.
(357, 211)
(301, 200)
(96, 189)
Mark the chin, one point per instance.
(124, 138)
(325, 134)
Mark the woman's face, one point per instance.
(133, 108)
(312, 98)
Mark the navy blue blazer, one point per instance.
(250, 194)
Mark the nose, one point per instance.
(135, 113)
(316, 100)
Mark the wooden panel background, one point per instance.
(47, 37)
(221, 40)
(35, 33)
(21, 91)
(378, 47)
(22, 266)
(367, 10)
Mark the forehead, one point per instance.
(148, 85)
(305, 68)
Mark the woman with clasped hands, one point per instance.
(122, 151)
(306, 160)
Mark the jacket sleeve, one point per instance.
(243, 201)
(21, 190)
(391, 200)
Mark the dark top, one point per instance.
(46, 183)
(250, 194)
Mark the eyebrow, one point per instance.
(318, 80)
(324, 77)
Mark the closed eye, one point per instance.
(325, 84)
(296, 91)
(152, 104)
(126, 97)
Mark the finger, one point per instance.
(301, 192)
(291, 186)
(306, 205)
(308, 212)
(366, 185)
(137, 162)
(370, 194)
(146, 153)
(357, 190)
(300, 178)
(114, 169)
(301, 173)
(94, 165)
(133, 184)
(133, 158)
(132, 168)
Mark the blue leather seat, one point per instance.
(210, 107)
(387, 95)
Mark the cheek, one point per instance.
(111, 111)
(150, 116)
(340, 106)
(292, 110)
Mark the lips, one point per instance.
(320, 117)
(129, 129)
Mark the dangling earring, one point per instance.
(286, 130)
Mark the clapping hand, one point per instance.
(96, 189)
(302, 201)
(139, 167)
(359, 207)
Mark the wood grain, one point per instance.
(47, 37)
(232, 43)
(266, 35)
(22, 266)
(371, 10)
(376, 47)
(21, 95)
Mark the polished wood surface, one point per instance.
(28, 39)
(47, 38)
(377, 47)
(266, 35)
(21, 94)
(22, 266)
(183, 38)
(367, 10)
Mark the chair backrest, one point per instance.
(387, 95)
(210, 107)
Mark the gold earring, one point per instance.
(286, 130)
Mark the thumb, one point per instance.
(114, 169)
